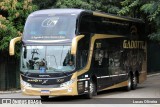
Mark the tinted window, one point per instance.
(100, 25)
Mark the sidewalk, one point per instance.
(19, 91)
(153, 74)
(10, 92)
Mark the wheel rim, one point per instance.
(91, 88)
(129, 82)
(135, 80)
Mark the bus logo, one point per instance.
(44, 82)
(98, 45)
(60, 80)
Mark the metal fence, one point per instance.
(9, 72)
(153, 57)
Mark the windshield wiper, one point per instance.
(26, 73)
(64, 73)
(59, 71)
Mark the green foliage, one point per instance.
(130, 7)
(147, 10)
(109, 6)
(44, 4)
(72, 4)
(152, 9)
(12, 18)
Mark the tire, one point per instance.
(134, 82)
(92, 90)
(44, 97)
(129, 85)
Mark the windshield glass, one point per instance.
(41, 59)
(50, 27)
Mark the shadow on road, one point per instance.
(81, 99)
(66, 100)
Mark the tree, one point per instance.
(108, 6)
(147, 10)
(44, 4)
(152, 9)
(12, 18)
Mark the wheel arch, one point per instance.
(137, 74)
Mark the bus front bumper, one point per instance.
(70, 91)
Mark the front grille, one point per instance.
(46, 86)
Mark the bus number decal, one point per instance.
(98, 45)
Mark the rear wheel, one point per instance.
(92, 90)
(134, 82)
(44, 97)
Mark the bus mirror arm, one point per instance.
(74, 43)
(12, 45)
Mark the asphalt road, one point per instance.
(148, 92)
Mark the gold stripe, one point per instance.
(122, 84)
(109, 16)
(95, 37)
(12, 45)
(75, 43)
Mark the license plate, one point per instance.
(45, 91)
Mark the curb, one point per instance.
(10, 92)
(150, 75)
(19, 91)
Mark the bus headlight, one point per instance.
(25, 84)
(67, 83)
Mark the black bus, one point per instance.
(67, 52)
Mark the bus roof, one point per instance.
(58, 11)
(107, 15)
(78, 11)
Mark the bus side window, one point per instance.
(82, 52)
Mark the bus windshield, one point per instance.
(45, 27)
(47, 59)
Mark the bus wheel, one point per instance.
(134, 82)
(44, 97)
(128, 87)
(92, 90)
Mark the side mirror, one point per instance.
(12, 45)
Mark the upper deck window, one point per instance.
(46, 27)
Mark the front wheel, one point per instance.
(92, 90)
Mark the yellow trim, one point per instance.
(12, 45)
(109, 16)
(122, 84)
(95, 37)
(75, 43)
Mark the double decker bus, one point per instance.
(67, 52)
